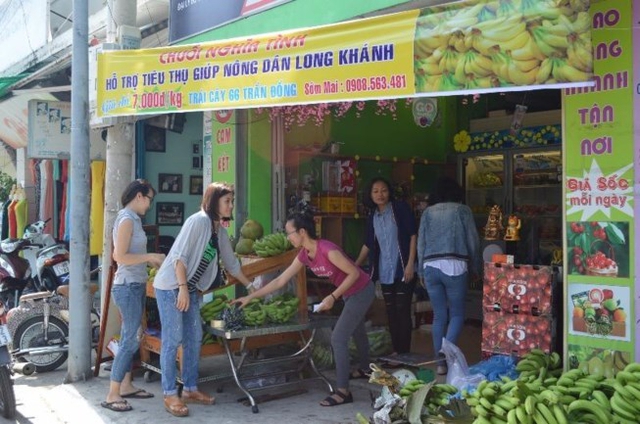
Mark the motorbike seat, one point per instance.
(36, 296)
(64, 290)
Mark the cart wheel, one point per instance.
(254, 409)
(150, 376)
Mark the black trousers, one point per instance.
(397, 299)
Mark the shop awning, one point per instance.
(7, 82)
(462, 48)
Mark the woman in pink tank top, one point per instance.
(325, 259)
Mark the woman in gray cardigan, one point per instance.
(191, 266)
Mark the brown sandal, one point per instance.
(197, 397)
(175, 406)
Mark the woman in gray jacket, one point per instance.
(448, 251)
(192, 266)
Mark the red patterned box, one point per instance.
(518, 289)
(511, 334)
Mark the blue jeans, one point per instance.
(447, 295)
(179, 328)
(130, 300)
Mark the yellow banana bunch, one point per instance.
(500, 31)
(504, 42)
(580, 57)
(528, 52)
(563, 72)
(457, 41)
(449, 60)
(427, 68)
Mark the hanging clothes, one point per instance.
(63, 204)
(98, 168)
(21, 210)
(35, 167)
(12, 219)
(48, 203)
(67, 211)
(4, 227)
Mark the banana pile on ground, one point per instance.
(254, 313)
(282, 308)
(272, 245)
(379, 343)
(322, 356)
(439, 394)
(212, 310)
(500, 43)
(551, 397)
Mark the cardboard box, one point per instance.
(519, 289)
(512, 334)
(334, 204)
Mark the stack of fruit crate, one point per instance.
(518, 308)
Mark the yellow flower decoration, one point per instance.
(461, 141)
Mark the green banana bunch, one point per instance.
(254, 314)
(212, 310)
(282, 308)
(272, 245)
(439, 395)
(322, 356)
(207, 338)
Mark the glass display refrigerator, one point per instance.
(524, 182)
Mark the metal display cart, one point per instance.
(251, 267)
(242, 364)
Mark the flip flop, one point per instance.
(331, 401)
(358, 374)
(138, 394)
(117, 406)
(176, 407)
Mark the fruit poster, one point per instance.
(598, 168)
(465, 47)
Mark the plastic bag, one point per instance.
(458, 374)
(496, 367)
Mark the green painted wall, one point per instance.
(259, 170)
(295, 14)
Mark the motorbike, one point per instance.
(7, 368)
(36, 262)
(39, 327)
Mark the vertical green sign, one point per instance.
(223, 143)
(599, 174)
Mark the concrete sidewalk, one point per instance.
(43, 399)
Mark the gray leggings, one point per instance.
(351, 323)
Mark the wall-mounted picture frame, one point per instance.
(196, 148)
(195, 184)
(155, 139)
(170, 183)
(169, 213)
(196, 162)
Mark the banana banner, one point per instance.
(466, 47)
